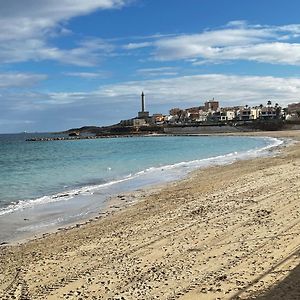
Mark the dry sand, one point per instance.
(229, 232)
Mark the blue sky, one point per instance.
(71, 63)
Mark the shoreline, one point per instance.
(111, 203)
(200, 248)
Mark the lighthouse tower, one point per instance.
(143, 101)
(143, 114)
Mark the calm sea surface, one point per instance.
(46, 185)
(32, 170)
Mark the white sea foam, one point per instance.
(171, 171)
(86, 190)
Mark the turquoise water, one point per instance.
(31, 170)
(47, 185)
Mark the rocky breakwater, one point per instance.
(47, 139)
(68, 138)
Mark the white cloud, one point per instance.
(132, 46)
(87, 75)
(31, 18)
(12, 80)
(26, 26)
(229, 89)
(235, 41)
(275, 53)
(237, 23)
(87, 53)
(162, 71)
(110, 103)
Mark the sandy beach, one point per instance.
(227, 232)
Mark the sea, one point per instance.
(45, 185)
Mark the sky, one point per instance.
(71, 63)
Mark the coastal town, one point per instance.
(208, 118)
(212, 112)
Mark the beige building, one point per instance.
(211, 105)
(268, 113)
(244, 114)
(203, 115)
(158, 118)
(230, 115)
(134, 122)
(255, 113)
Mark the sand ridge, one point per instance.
(229, 232)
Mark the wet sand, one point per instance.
(229, 232)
